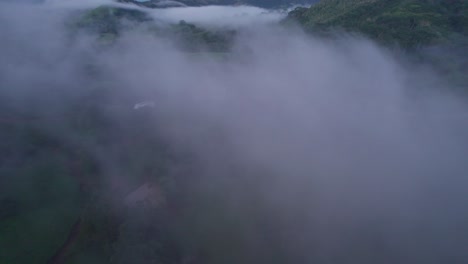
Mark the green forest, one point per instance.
(429, 29)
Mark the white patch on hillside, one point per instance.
(219, 16)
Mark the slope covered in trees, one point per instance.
(434, 31)
(261, 3)
(408, 23)
(107, 23)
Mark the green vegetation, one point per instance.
(261, 3)
(36, 171)
(432, 31)
(106, 19)
(58, 206)
(407, 23)
(193, 38)
(108, 23)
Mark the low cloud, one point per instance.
(220, 16)
(326, 151)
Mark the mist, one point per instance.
(220, 16)
(297, 148)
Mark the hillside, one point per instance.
(107, 23)
(408, 23)
(435, 32)
(260, 3)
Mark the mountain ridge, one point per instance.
(259, 3)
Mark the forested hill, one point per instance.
(408, 23)
(260, 3)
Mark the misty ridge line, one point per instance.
(335, 140)
(211, 16)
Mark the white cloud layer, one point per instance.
(321, 150)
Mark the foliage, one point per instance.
(433, 31)
(108, 23)
(407, 23)
(110, 20)
(261, 3)
(39, 199)
(193, 38)
(51, 179)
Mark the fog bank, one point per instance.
(317, 150)
(220, 16)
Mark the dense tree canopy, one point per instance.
(409, 23)
(261, 3)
